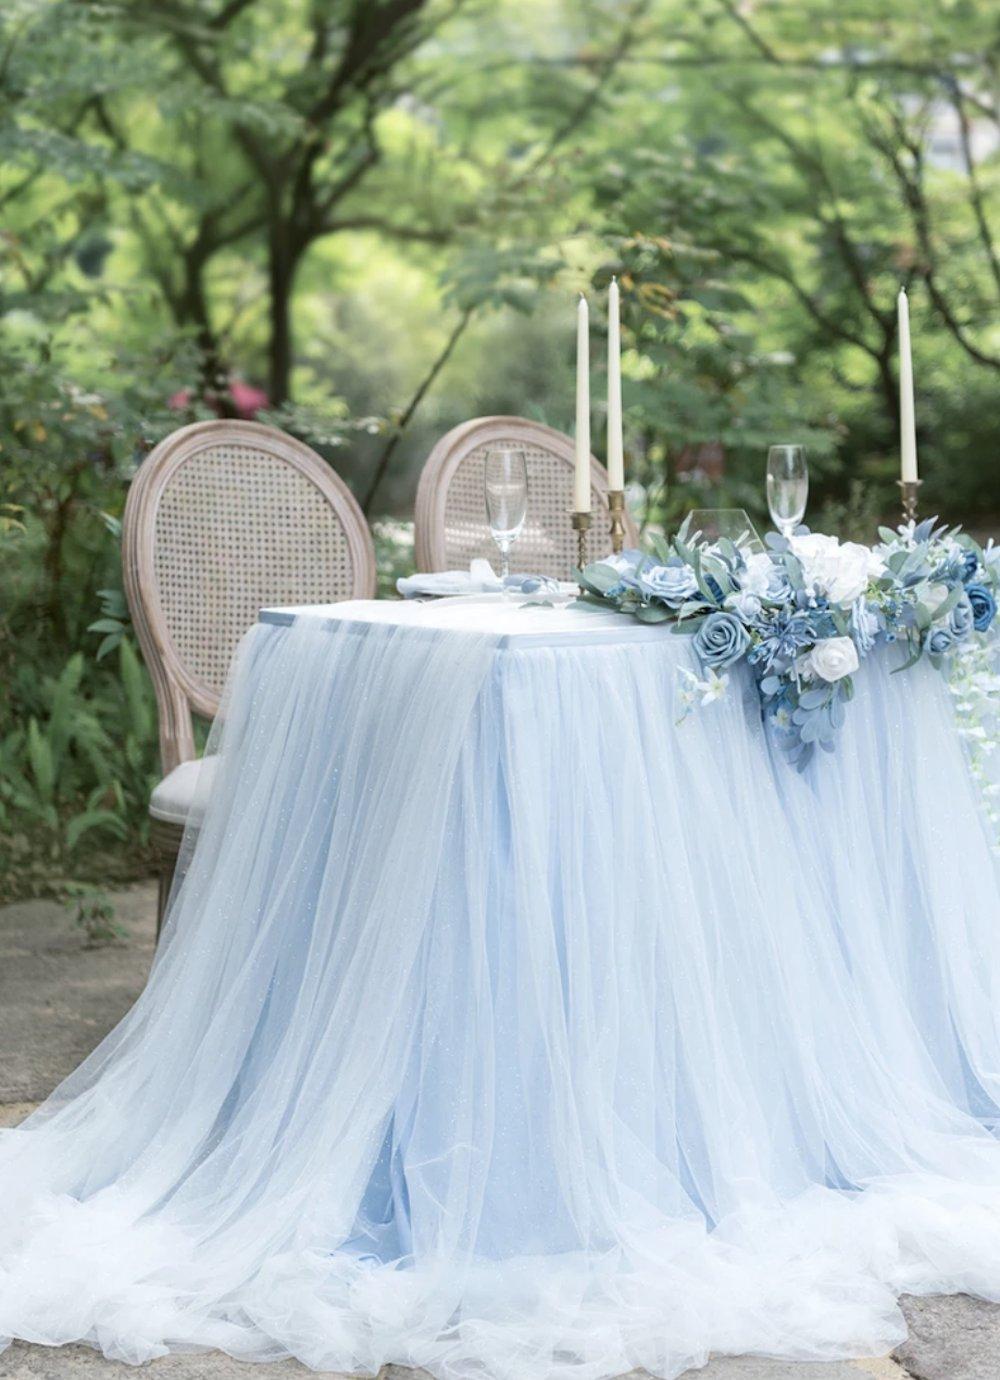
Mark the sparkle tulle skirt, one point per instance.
(505, 1027)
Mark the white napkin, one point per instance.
(478, 579)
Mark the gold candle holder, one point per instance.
(616, 503)
(581, 526)
(910, 490)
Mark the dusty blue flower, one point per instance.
(864, 626)
(970, 564)
(984, 606)
(721, 640)
(939, 641)
(961, 619)
(670, 584)
(783, 638)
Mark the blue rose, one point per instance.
(970, 564)
(939, 641)
(671, 584)
(961, 618)
(984, 606)
(721, 640)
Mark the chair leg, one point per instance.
(166, 839)
(166, 881)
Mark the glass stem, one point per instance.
(504, 559)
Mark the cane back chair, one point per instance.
(222, 518)
(451, 526)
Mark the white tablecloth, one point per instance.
(503, 620)
(508, 1027)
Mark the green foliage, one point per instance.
(93, 912)
(78, 773)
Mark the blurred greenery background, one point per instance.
(367, 220)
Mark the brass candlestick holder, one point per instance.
(616, 503)
(581, 526)
(910, 490)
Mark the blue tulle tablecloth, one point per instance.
(506, 1026)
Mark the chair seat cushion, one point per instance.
(180, 797)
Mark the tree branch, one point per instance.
(418, 234)
(911, 184)
(407, 415)
(975, 190)
(230, 11)
(605, 70)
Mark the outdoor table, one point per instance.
(511, 1021)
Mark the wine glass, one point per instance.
(506, 498)
(787, 486)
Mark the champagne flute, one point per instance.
(787, 487)
(506, 498)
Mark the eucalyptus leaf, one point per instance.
(813, 699)
(601, 577)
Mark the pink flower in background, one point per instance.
(247, 401)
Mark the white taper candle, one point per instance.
(581, 475)
(616, 457)
(907, 415)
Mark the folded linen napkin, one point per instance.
(478, 579)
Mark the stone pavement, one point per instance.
(80, 1363)
(58, 998)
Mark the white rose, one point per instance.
(840, 572)
(817, 554)
(744, 604)
(760, 571)
(833, 658)
(851, 576)
(876, 565)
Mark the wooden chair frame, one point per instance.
(180, 692)
(454, 447)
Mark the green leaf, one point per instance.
(41, 760)
(954, 594)
(814, 699)
(912, 661)
(134, 685)
(601, 577)
(93, 819)
(64, 708)
(652, 613)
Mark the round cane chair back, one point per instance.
(451, 526)
(222, 518)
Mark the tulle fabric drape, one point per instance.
(506, 1027)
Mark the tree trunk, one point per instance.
(282, 263)
(193, 311)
